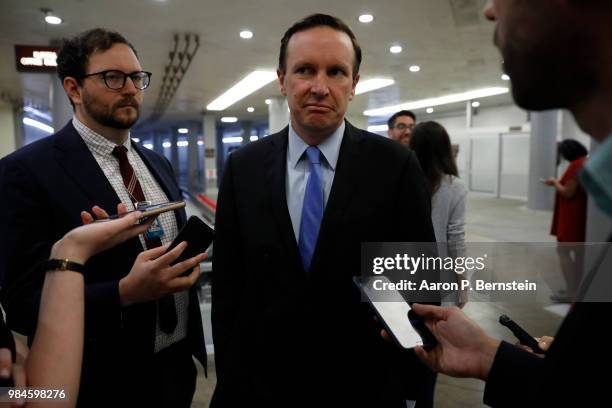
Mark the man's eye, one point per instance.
(303, 70)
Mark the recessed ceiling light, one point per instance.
(441, 100)
(229, 119)
(183, 130)
(54, 20)
(148, 145)
(246, 86)
(246, 34)
(136, 140)
(250, 109)
(378, 128)
(505, 77)
(430, 110)
(166, 144)
(38, 125)
(366, 18)
(182, 143)
(395, 49)
(372, 84)
(475, 104)
(268, 101)
(414, 68)
(232, 139)
(200, 143)
(253, 138)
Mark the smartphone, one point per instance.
(198, 235)
(150, 210)
(405, 327)
(523, 337)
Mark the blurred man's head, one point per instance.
(318, 70)
(552, 49)
(103, 78)
(401, 125)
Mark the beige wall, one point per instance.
(7, 129)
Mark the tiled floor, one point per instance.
(488, 220)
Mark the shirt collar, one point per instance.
(330, 147)
(95, 141)
(596, 176)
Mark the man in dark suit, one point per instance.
(292, 213)
(142, 322)
(572, 38)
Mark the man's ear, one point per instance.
(281, 79)
(73, 90)
(355, 81)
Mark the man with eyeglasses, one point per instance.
(401, 125)
(142, 321)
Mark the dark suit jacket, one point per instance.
(44, 186)
(575, 370)
(284, 337)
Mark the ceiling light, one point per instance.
(378, 128)
(167, 145)
(372, 84)
(395, 49)
(442, 100)
(38, 125)
(50, 18)
(182, 143)
(148, 146)
(475, 104)
(505, 77)
(249, 84)
(366, 18)
(246, 34)
(268, 101)
(250, 109)
(200, 143)
(234, 139)
(183, 130)
(254, 138)
(136, 140)
(414, 68)
(430, 110)
(229, 119)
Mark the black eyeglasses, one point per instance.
(402, 126)
(115, 79)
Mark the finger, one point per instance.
(385, 335)
(5, 363)
(181, 283)
(86, 218)
(424, 357)
(185, 265)
(121, 208)
(19, 379)
(99, 212)
(431, 312)
(153, 254)
(170, 256)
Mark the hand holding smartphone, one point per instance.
(149, 211)
(198, 235)
(524, 338)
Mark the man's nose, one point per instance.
(319, 85)
(129, 87)
(489, 10)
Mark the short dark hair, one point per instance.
(432, 146)
(318, 20)
(74, 53)
(571, 150)
(391, 121)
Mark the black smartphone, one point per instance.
(523, 337)
(404, 326)
(198, 235)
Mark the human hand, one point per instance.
(550, 181)
(12, 372)
(463, 349)
(152, 277)
(544, 343)
(81, 243)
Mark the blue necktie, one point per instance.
(312, 211)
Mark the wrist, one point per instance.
(487, 356)
(67, 250)
(124, 292)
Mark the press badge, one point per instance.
(155, 230)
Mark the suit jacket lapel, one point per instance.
(276, 169)
(73, 154)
